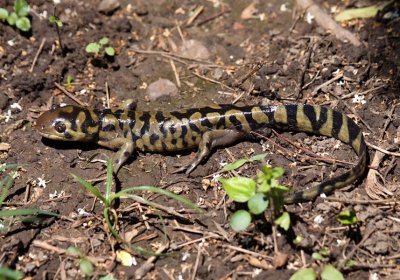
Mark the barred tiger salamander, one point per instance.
(128, 130)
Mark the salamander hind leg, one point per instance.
(210, 140)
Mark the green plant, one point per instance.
(85, 265)
(58, 23)
(10, 274)
(259, 194)
(18, 17)
(56, 20)
(68, 82)
(100, 46)
(347, 217)
(8, 217)
(110, 213)
(329, 272)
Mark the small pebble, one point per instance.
(108, 6)
(160, 88)
(194, 49)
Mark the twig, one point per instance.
(67, 93)
(350, 255)
(174, 56)
(305, 67)
(327, 22)
(196, 13)
(177, 79)
(149, 264)
(382, 150)
(238, 82)
(212, 17)
(166, 209)
(388, 120)
(361, 93)
(363, 202)
(107, 94)
(314, 155)
(37, 54)
(337, 77)
(212, 80)
(257, 255)
(196, 264)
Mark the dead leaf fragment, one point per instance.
(5, 147)
(280, 259)
(249, 11)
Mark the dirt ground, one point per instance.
(273, 57)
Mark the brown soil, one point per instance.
(203, 244)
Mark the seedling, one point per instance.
(68, 83)
(58, 23)
(10, 274)
(99, 47)
(329, 272)
(259, 194)
(18, 17)
(347, 217)
(85, 264)
(110, 213)
(8, 217)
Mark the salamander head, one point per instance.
(69, 123)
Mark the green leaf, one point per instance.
(21, 8)
(70, 79)
(277, 195)
(304, 274)
(126, 193)
(25, 212)
(56, 20)
(86, 267)
(103, 41)
(110, 51)
(240, 220)
(5, 185)
(298, 240)
(109, 182)
(258, 157)
(365, 12)
(329, 272)
(283, 221)
(347, 217)
(9, 274)
(89, 187)
(258, 203)
(24, 24)
(317, 256)
(74, 251)
(3, 14)
(108, 277)
(239, 189)
(350, 263)
(235, 165)
(12, 18)
(277, 172)
(92, 48)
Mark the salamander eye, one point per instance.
(60, 127)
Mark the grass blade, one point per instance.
(5, 185)
(90, 188)
(127, 191)
(109, 182)
(25, 212)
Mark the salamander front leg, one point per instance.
(209, 140)
(122, 155)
